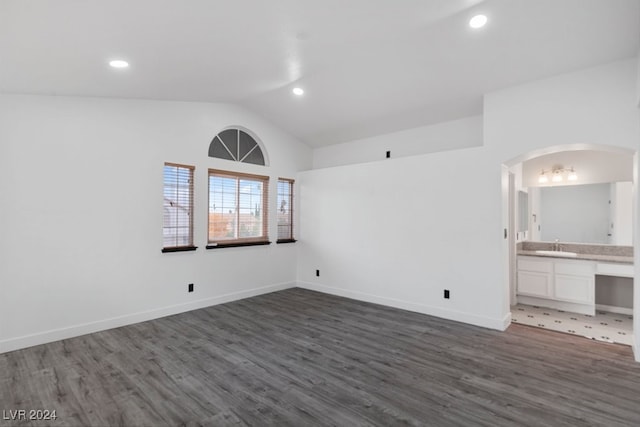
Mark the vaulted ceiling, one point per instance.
(367, 66)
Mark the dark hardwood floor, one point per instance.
(302, 358)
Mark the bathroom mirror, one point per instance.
(590, 213)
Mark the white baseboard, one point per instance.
(458, 316)
(614, 309)
(636, 350)
(506, 322)
(116, 322)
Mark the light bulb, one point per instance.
(478, 21)
(119, 63)
(543, 178)
(573, 176)
(556, 177)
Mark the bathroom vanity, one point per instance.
(565, 280)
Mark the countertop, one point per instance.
(587, 257)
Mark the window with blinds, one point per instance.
(285, 210)
(177, 229)
(238, 209)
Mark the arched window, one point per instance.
(236, 145)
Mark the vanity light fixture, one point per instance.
(557, 175)
(543, 178)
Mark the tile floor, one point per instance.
(604, 326)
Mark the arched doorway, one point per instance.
(599, 168)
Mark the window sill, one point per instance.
(179, 249)
(286, 241)
(236, 245)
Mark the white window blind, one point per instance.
(177, 227)
(285, 210)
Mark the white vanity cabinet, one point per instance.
(557, 282)
(574, 281)
(535, 277)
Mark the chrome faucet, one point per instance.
(556, 246)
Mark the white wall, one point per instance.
(636, 230)
(638, 80)
(462, 133)
(82, 214)
(592, 106)
(400, 231)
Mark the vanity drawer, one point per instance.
(533, 264)
(619, 270)
(578, 268)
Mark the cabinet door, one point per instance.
(578, 289)
(534, 284)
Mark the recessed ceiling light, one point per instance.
(478, 21)
(119, 63)
(298, 91)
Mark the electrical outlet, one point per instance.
(388, 154)
(446, 294)
(317, 273)
(190, 288)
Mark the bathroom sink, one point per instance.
(558, 253)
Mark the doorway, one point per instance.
(549, 299)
